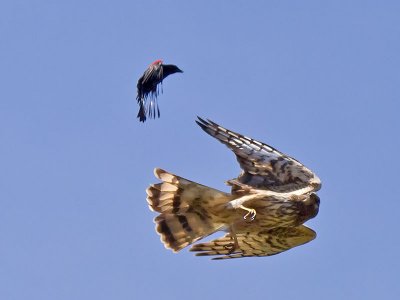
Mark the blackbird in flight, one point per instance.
(148, 88)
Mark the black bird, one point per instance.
(148, 88)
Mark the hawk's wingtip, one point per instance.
(206, 122)
(201, 122)
(200, 119)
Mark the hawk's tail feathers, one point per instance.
(180, 230)
(186, 209)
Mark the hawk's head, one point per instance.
(308, 208)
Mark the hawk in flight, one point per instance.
(148, 88)
(263, 215)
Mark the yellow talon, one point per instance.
(230, 247)
(250, 212)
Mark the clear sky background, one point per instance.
(319, 80)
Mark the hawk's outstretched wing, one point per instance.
(262, 243)
(263, 166)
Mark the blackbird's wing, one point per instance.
(147, 92)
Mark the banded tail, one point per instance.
(186, 209)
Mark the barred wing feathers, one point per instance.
(256, 243)
(263, 166)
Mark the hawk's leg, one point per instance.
(251, 212)
(232, 247)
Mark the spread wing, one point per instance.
(152, 76)
(262, 243)
(263, 166)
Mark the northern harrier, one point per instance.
(263, 215)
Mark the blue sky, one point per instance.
(319, 80)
